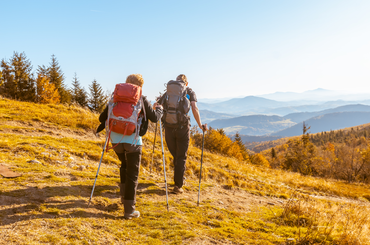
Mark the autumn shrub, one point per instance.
(260, 160)
(46, 91)
(216, 141)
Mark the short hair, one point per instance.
(136, 79)
(182, 77)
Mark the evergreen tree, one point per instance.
(305, 135)
(273, 153)
(221, 131)
(241, 145)
(78, 93)
(1, 82)
(56, 77)
(97, 99)
(7, 81)
(239, 141)
(42, 70)
(17, 79)
(301, 154)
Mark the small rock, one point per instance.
(33, 161)
(59, 162)
(221, 202)
(81, 168)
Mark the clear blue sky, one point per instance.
(226, 48)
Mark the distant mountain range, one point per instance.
(281, 114)
(327, 122)
(316, 94)
(252, 125)
(283, 111)
(291, 124)
(302, 116)
(252, 105)
(209, 116)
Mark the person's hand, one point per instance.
(204, 127)
(155, 105)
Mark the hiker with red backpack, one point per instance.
(176, 102)
(126, 120)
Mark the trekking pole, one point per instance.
(164, 165)
(97, 173)
(155, 135)
(201, 163)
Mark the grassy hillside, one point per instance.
(57, 153)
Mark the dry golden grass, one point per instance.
(241, 203)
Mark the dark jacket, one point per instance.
(152, 115)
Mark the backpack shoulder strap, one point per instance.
(143, 106)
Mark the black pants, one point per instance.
(130, 157)
(177, 140)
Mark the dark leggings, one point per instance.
(130, 157)
(177, 140)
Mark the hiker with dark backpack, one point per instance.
(126, 120)
(176, 102)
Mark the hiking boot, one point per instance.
(135, 214)
(177, 190)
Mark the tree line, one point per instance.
(46, 85)
(342, 154)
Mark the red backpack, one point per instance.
(124, 109)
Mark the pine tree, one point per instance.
(273, 153)
(46, 91)
(301, 154)
(78, 93)
(241, 145)
(17, 78)
(56, 77)
(221, 131)
(97, 99)
(239, 141)
(42, 70)
(305, 135)
(1, 82)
